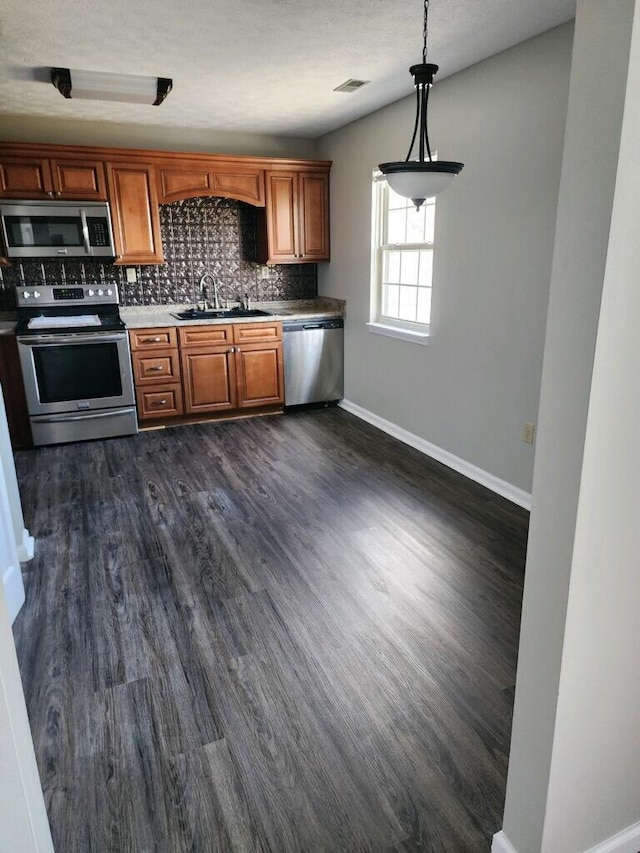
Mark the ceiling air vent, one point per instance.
(351, 85)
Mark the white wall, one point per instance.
(594, 788)
(470, 391)
(71, 132)
(581, 582)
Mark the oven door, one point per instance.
(76, 372)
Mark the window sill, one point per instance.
(401, 334)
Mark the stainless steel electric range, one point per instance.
(76, 364)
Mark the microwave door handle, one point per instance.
(85, 231)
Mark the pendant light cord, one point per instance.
(422, 99)
(425, 31)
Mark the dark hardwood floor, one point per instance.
(282, 634)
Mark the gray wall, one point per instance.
(73, 132)
(573, 761)
(478, 381)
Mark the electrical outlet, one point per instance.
(131, 275)
(528, 433)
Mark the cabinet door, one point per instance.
(81, 180)
(260, 375)
(209, 379)
(281, 216)
(313, 209)
(25, 177)
(135, 214)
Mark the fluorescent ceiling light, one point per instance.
(103, 86)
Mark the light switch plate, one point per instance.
(132, 276)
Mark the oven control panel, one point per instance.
(64, 295)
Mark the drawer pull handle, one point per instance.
(152, 340)
(156, 367)
(159, 403)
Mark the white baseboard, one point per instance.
(13, 591)
(26, 548)
(501, 487)
(627, 841)
(501, 844)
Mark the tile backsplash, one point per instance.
(199, 235)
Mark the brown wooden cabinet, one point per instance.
(231, 367)
(45, 178)
(13, 391)
(187, 179)
(135, 213)
(294, 227)
(292, 196)
(156, 372)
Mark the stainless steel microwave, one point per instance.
(57, 229)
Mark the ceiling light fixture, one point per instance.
(103, 86)
(420, 179)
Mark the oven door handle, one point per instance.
(89, 416)
(85, 231)
(60, 340)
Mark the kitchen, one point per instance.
(460, 400)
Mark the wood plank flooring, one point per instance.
(283, 634)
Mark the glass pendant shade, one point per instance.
(420, 180)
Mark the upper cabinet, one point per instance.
(292, 196)
(294, 227)
(134, 212)
(45, 178)
(180, 179)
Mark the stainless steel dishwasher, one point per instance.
(313, 361)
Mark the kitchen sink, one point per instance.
(220, 313)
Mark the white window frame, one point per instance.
(379, 324)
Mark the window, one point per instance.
(402, 264)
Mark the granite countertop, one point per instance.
(148, 316)
(145, 316)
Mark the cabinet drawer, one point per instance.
(256, 333)
(153, 338)
(151, 368)
(159, 403)
(197, 336)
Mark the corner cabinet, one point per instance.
(135, 213)
(294, 226)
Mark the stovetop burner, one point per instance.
(108, 317)
(65, 306)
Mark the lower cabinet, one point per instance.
(156, 373)
(205, 370)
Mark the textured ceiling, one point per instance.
(262, 66)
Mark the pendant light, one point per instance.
(422, 178)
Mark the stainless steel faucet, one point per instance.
(203, 290)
